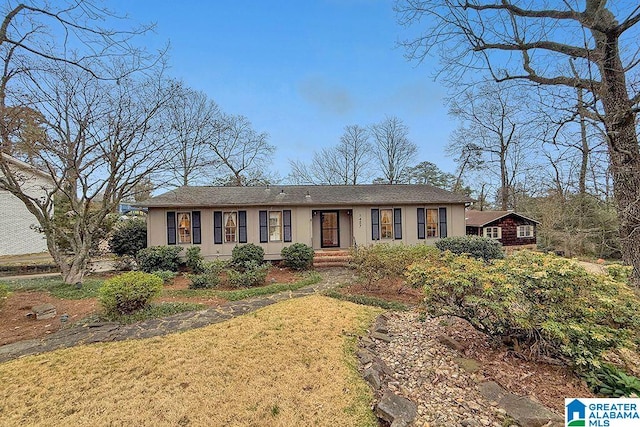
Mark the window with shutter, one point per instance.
(264, 227)
(421, 225)
(217, 227)
(286, 225)
(197, 234)
(375, 224)
(442, 212)
(171, 228)
(397, 223)
(242, 226)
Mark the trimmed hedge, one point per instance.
(129, 292)
(475, 246)
(242, 254)
(297, 256)
(159, 258)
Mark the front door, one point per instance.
(329, 229)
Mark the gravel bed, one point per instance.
(427, 373)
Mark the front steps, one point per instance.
(331, 258)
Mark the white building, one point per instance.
(17, 225)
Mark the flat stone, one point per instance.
(468, 365)
(44, 311)
(373, 378)
(450, 342)
(381, 337)
(364, 356)
(525, 411)
(379, 365)
(396, 410)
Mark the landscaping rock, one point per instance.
(44, 311)
(373, 378)
(395, 409)
(364, 356)
(525, 411)
(381, 337)
(451, 343)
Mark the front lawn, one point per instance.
(289, 364)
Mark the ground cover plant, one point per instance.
(289, 364)
(540, 305)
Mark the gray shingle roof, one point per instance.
(482, 218)
(304, 195)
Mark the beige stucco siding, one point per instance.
(355, 227)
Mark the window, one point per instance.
(386, 223)
(275, 226)
(525, 231)
(432, 222)
(230, 226)
(184, 227)
(493, 232)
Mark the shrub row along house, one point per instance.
(323, 217)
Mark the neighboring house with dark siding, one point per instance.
(511, 229)
(324, 217)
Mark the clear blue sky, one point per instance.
(300, 70)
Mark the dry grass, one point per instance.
(290, 364)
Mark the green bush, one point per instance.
(475, 246)
(204, 281)
(619, 272)
(166, 275)
(194, 260)
(159, 258)
(128, 237)
(547, 304)
(247, 253)
(251, 274)
(297, 256)
(209, 276)
(4, 293)
(128, 292)
(608, 380)
(384, 260)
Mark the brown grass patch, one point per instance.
(285, 365)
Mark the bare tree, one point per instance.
(193, 122)
(516, 41)
(97, 121)
(493, 126)
(392, 148)
(345, 164)
(240, 151)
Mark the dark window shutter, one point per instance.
(242, 226)
(217, 227)
(264, 227)
(375, 224)
(286, 225)
(195, 221)
(421, 219)
(397, 223)
(442, 214)
(171, 228)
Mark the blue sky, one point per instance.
(301, 70)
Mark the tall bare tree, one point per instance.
(392, 148)
(193, 121)
(348, 163)
(97, 119)
(494, 126)
(239, 150)
(521, 40)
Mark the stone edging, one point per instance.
(399, 411)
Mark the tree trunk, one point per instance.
(623, 152)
